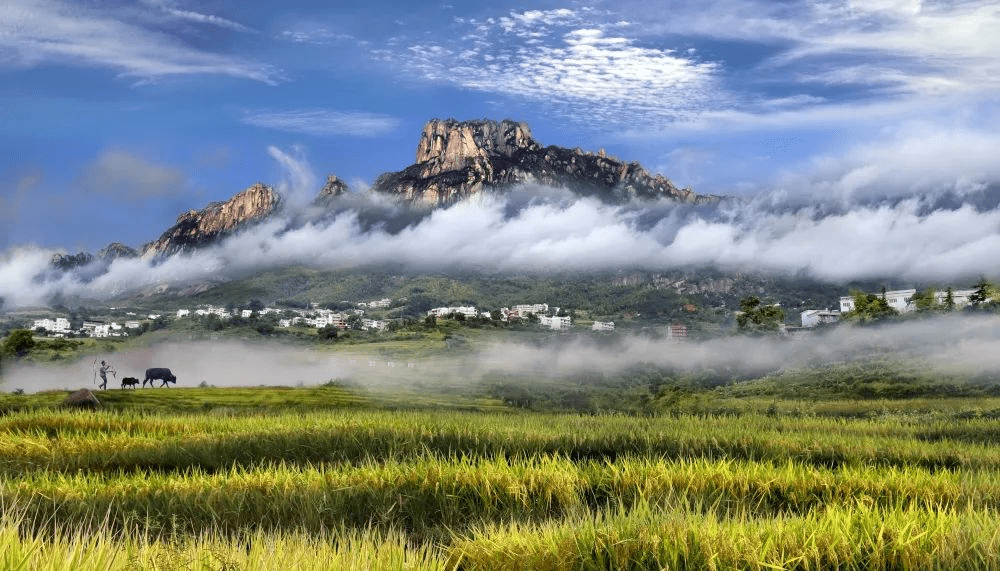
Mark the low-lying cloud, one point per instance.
(931, 238)
(949, 345)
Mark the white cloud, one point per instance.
(128, 177)
(38, 32)
(571, 65)
(312, 32)
(171, 9)
(923, 48)
(910, 239)
(299, 185)
(323, 122)
(916, 157)
(209, 19)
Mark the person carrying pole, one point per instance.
(103, 371)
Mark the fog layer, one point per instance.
(949, 344)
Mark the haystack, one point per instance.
(82, 398)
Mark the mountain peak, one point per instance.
(457, 159)
(447, 144)
(198, 228)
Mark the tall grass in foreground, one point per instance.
(429, 497)
(112, 443)
(103, 550)
(363, 489)
(840, 537)
(848, 538)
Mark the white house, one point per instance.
(959, 296)
(467, 311)
(338, 320)
(183, 313)
(603, 326)
(813, 317)
(369, 324)
(524, 310)
(101, 330)
(556, 322)
(898, 300)
(132, 325)
(59, 325)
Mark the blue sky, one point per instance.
(118, 116)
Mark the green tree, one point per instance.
(983, 293)
(757, 317)
(925, 300)
(949, 299)
(19, 343)
(327, 332)
(869, 307)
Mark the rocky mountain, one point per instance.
(116, 250)
(70, 261)
(196, 228)
(333, 188)
(105, 256)
(456, 160)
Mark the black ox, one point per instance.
(161, 373)
(130, 382)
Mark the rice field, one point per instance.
(356, 487)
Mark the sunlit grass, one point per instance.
(257, 483)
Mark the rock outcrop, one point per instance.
(195, 229)
(71, 261)
(104, 257)
(458, 159)
(116, 250)
(334, 187)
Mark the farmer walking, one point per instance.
(103, 371)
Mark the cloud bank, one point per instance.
(948, 345)
(545, 230)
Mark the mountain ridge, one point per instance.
(454, 160)
(458, 159)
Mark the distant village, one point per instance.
(312, 317)
(553, 318)
(901, 300)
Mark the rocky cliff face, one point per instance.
(104, 257)
(459, 159)
(116, 250)
(70, 261)
(334, 187)
(199, 228)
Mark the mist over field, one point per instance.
(949, 344)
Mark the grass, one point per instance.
(338, 477)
